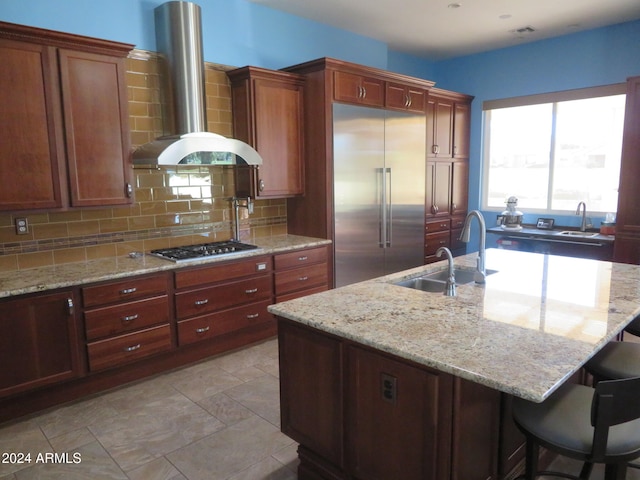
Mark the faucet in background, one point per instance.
(248, 204)
(583, 225)
(450, 286)
(480, 275)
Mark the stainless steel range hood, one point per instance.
(179, 41)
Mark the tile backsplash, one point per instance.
(172, 205)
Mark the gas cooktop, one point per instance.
(203, 250)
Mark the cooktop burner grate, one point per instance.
(204, 250)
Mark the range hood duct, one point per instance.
(179, 42)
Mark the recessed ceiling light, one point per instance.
(454, 5)
(505, 16)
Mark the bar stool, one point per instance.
(593, 425)
(617, 359)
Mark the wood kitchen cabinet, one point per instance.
(448, 124)
(215, 300)
(359, 89)
(126, 321)
(300, 273)
(360, 413)
(405, 98)
(268, 114)
(438, 189)
(38, 341)
(65, 121)
(627, 244)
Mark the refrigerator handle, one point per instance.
(389, 219)
(382, 216)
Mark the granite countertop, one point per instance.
(80, 273)
(534, 233)
(526, 331)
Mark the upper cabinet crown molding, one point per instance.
(24, 33)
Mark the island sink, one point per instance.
(574, 233)
(435, 282)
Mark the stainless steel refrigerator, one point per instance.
(379, 191)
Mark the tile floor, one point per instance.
(218, 419)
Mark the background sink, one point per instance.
(424, 284)
(574, 233)
(462, 276)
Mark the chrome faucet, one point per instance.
(480, 275)
(583, 225)
(450, 286)
(248, 204)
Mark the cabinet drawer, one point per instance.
(434, 241)
(225, 321)
(198, 276)
(300, 258)
(301, 278)
(455, 242)
(302, 293)
(457, 222)
(218, 297)
(439, 226)
(128, 348)
(125, 290)
(102, 322)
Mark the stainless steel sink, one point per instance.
(574, 233)
(436, 281)
(424, 284)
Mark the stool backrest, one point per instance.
(614, 402)
(634, 327)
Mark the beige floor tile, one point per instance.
(74, 416)
(225, 409)
(230, 451)
(22, 438)
(72, 440)
(159, 469)
(139, 435)
(202, 384)
(261, 396)
(267, 469)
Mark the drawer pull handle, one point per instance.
(129, 318)
(302, 259)
(132, 348)
(202, 302)
(253, 315)
(251, 290)
(303, 279)
(128, 290)
(202, 330)
(70, 306)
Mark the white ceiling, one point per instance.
(436, 30)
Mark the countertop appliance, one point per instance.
(379, 191)
(203, 250)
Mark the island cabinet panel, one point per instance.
(38, 341)
(311, 384)
(399, 419)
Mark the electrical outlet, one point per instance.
(22, 226)
(389, 387)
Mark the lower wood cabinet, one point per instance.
(360, 413)
(301, 273)
(38, 341)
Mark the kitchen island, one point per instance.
(380, 380)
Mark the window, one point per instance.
(556, 150)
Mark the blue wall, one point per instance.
(237, 32)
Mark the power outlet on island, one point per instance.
(389, 387)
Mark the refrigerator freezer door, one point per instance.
(405, 154)
(358, 160)
(379, 185)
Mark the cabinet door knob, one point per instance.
(70, 306)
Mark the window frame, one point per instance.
(528, 100)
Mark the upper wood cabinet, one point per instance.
(268, 114)
(627, 245)
(448, 124)
(360, 89)
(65, 120)
(405, 97)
